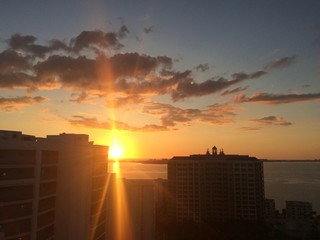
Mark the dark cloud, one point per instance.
(10, 104)
(235, 90)
(27, 43)
(12, 61)
(95, 40)
(281, 63)
(123, 32)
(18, 41)
(127, 73)
(269, 98)
(17, 80)
(188, 88)
(122, 72)
(202, 67)
(148, 29)
(78, 73)
(272, 120)
(127, 78)
(137, 65)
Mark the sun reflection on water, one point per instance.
(121, 227)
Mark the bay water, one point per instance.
(294, 181)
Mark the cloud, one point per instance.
(235, 90)
(137, 65)
(148, 29)
(92, 122)
(123, 32)
(27, 44)
(202, 67)
(11, 104)
(66, 65)
(250, 128)
(188, 88)
(11, 61)
(269, 98)
(129, 73)
(272, 120)
(124, 101)
(125, 73)
(79, 98)
(218, 114)
(18, 41)
(17, 80)
(96, 39)
(78, 73)
(172, 116)
(281, 63)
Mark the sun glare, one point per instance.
(115, 151)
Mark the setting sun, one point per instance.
(115, 151)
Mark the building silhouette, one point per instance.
(299, 209)
(215, 187)
(52, 188)
(270, 208)
(133, 204)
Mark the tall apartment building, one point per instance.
(299, 209)
(135, 208)
(215, 187)
(270, 208)
(52, 188)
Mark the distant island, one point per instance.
(165, 160)
(306, 160)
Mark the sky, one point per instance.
(165, 78)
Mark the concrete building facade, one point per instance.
(215, 187)
(134, 205)
(53, 187)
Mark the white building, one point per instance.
(53, 187)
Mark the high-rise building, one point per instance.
(270, 208)
(134, 207)
(52, 188)
(215, 187)
(299, 209)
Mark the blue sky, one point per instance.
(270, 49)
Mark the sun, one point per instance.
(115, 150)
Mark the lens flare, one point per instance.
(116, 151)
